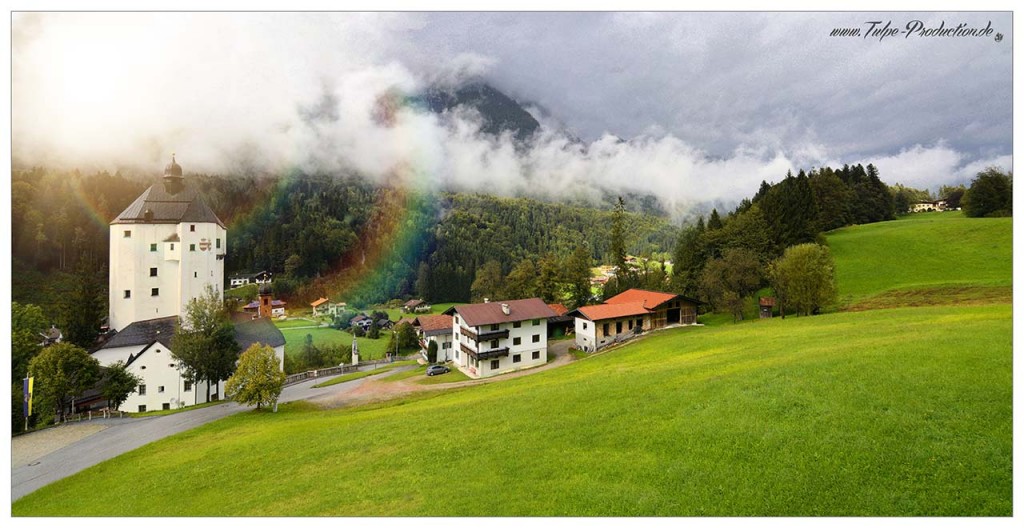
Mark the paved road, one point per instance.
(125, 434)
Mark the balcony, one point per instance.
(493, 334)
(486, 354)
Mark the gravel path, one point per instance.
(46, 456)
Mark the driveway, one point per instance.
(46, 456)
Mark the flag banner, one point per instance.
(24, 397)
(28, 399)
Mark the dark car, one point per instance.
(436, 369)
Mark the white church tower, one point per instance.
(164, 249)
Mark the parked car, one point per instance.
(437, 369)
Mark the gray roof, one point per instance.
(144, 333)
(162, 330)
(259, 330)
(169, 202)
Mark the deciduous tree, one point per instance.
(726, 281)
(990, 194)
(204, 340)
(27, 323)
(62, 373)
(258, 379)
(118, 384)
(804, 278)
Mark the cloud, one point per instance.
(712, 103)
(930, 167)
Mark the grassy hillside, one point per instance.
(927, 258)
(886, 412)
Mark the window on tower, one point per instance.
(152, 272)
(154, 292)
(218, 243)
(191, 247)
(127, 233)
(152, 247)
(127, 294)
(192, 228)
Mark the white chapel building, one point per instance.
(165, 249)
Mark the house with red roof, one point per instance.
(493, 338)
(628, 314)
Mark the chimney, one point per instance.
(266, 307)
(505, 308)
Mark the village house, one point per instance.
(416, 306)
(362, 321)
(435, 329)
(241, 279)
(51, 336)
(166, 248)
(266, 305)
(938, 205)
(628, 314)
(492, 338)
(316, 306)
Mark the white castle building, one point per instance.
(165, 249)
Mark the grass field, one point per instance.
(936, 255)
(295, 339)
(396, 313)
(358, 375)
(878, 413)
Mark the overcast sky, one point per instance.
(710, 103)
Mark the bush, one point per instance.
(432, 352)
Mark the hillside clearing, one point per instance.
(932, 253)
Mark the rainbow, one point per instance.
(388, 246)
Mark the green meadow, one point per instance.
(924, 258)
(872, 412)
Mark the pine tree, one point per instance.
(578, 276)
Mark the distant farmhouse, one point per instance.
(416, 306)
(324, 306)
(920, 207)
(492, 338)
(241, 279)
(165, 249)
(628, 314)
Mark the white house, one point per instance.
(497, 337)
(241, 279)
(437, 329)
(938, 205)
(165, 249)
